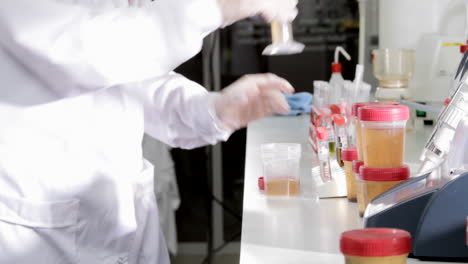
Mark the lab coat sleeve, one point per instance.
(66, 43)
(179, 112)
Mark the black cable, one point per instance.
(221, 247)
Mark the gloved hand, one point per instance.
(280, 10)
(250, 98)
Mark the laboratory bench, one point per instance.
(302, 229)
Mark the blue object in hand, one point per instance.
(300, 103)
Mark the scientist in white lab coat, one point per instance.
(80, 82)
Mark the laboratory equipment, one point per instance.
(379, 180)
(336, 80)
(433, 212)
(283, 42)
(349, 155)
(425, 26)
(375, 245)
(393, 68)
(383, 135)
(339, 123)
(432, 206)
(281, 168)
(323, 154)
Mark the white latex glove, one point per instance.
(250, 98)
(279, 10)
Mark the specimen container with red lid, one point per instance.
(383, 131)
(375, 245)
(376, 181)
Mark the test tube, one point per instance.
(339, 123)
(282, 40)
(323, 154)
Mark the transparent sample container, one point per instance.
(283, 42)
(379, 180)
(393, 67)
(357, 164)
(375, 246)
(383, 131)
(357, 123)
(324, 155)
(349, 155)
(281, 169)
(339, 124)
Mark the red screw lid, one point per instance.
(384, 174)
(356, 106)
(447, 101)
(336, 67)
(339, 120)
(383, 113)
(463, 49)
(349, 154)
(261, 183)
(335, 109)
(375, 242)
(322, 133)
(357, 164)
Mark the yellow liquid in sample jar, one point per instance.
(359, 140)
(282, 187)
(383, 148)
(350, 181)
(373, 189)
(376, 260)
(360, 197)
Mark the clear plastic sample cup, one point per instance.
(375, 245)
(379, 180)
(281, 168)
(349, 155)
(383, 131)
(393, 67)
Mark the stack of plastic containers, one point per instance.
(381, 140)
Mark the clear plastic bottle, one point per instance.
(337, 83)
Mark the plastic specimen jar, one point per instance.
(383, 130)
(375, 246)
(357, 164)
(281, 168)
(349, 155)
(379, 180)
(357, 124)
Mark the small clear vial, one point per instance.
(323, 154)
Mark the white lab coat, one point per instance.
(166, 188)
(81, 81)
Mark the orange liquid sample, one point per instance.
(383, 148)
(373, 189)
(376, 260)
(359, 140)
(350, 181)
(282, 187)
(360, 197)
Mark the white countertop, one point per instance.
(296, 230)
